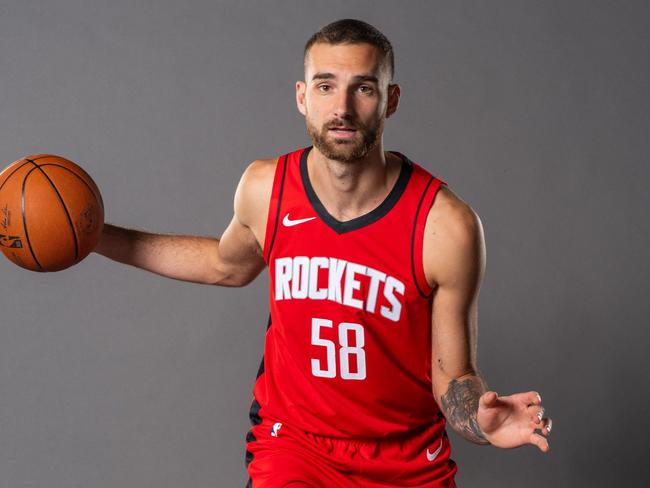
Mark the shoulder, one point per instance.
(258, 174)
(453, 238)
(254, 191)
(453, 215)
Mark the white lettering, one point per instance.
(352, 285)
(300, 278)
(375, 278)
(336, 276)
(392, 285)
(282, 278)
(316, 293)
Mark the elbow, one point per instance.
(229, 281)
(234, 279)
(232, 282)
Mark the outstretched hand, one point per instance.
(511, 421)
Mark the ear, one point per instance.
(393, 99)
(300, 97)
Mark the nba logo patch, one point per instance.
(276, 427)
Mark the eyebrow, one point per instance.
(358, 78)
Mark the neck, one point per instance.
(351, 189)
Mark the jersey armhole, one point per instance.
(273, 216)
(417, 240)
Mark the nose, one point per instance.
(344, 104)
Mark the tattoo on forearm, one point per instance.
(460, 405)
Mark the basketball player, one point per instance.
(375, 268)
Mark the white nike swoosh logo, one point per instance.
(289, 223)
(432, 455)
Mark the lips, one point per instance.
(342, 132)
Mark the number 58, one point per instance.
(344, 352)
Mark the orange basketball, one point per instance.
(51, 213)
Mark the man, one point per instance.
(375, 270)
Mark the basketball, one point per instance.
(51, 213)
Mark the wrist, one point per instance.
(480, 436)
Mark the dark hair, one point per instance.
(353, 31)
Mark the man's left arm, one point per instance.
(454, 262)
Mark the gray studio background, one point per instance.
(535, 113)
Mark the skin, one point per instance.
(349, 86)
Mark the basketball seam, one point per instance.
(65, 208)
(25, 161)
(22, 208)
(98, 197)
(12, 173)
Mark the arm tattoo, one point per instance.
(460, 405)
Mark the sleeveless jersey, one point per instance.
(348, 346)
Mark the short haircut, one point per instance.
(351, 31)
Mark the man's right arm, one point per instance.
(234, 260)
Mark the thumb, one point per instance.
(488, 399)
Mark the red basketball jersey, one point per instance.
(348, 347)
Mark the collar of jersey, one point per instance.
(366, 219)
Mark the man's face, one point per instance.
(345, 98)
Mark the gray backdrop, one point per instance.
(536, 113)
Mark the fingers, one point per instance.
(546, 426)
(540, 442)
(488, 399)
(536, 413)
(533, 398)
(539, 422)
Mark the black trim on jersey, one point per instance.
(254, 415)
(366, 219)
(415, 224)
(261, 368)
(277, 213)
(254, 412)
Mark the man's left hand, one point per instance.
(511, 421)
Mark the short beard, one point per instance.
(344, 150)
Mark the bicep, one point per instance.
(457, 265)
(240, 247)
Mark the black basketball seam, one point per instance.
(65, 208)
(22, 208)
(98, 197)
(415, 224)
(12, 173)
(25, 161)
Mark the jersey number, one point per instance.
(345, 350)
